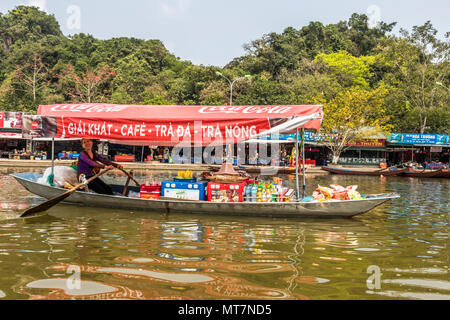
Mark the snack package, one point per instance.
(353, 195)
(343, 195)
(318, 196)
(327, 192)
(337, 188)
(336, 193)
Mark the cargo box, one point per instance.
(184, 190)
(226, 192)
(152, 191)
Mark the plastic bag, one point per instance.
(336, 193)
(343, 195)
(353, 195)
(61, 176)
(327, 192)
(337, 188)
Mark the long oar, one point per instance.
(130, 176)
(50, 203)
(124, 192)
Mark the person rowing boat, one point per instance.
(88, 165)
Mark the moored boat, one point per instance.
(268, 170)
(423, 173)
(326, 209)
(445, 173)
(381, 172)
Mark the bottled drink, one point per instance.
(254, 193)
(248, 193)
(259, 194)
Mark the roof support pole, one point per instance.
(303, 164)
(52, 176)
(297, 156)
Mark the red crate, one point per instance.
(124, 158)
(150, 191)
(226, 192)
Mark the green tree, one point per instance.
(347, 69)
(354, 114)
(417, 61)
(26, 24)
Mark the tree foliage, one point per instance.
(358, 72)
(355, 114)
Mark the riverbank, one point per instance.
(156, 166)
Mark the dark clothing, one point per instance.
(86, 164)
(99, 186)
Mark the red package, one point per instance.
(343, 195)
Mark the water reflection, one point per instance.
(137, 255)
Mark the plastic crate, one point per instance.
(226, 192)
(185, 180)
(150, 191)
(184, 190)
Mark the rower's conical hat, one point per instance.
(227, 168)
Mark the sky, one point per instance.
(213, 32)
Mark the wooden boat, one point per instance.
(195, 125)
(382, 172)
(263, 170)
(343, 208)
(445, 173)
(266, 171)
(423, 173)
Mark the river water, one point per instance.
(399, 250)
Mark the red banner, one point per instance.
(171, 125)
(160, 132)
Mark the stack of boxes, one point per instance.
(190, 189)
(152, 191)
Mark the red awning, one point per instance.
(172, 125)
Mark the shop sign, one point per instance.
(11, 120)
(319, 137)
(310, 136)
(417, 138)
(368, 143)
(436, 149)
(361, 161)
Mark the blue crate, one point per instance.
(185, 180)
(184, 190)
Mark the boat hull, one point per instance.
(423, 174)
(272, 209)
(392, 172)
(445, 173)
(267, 171)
